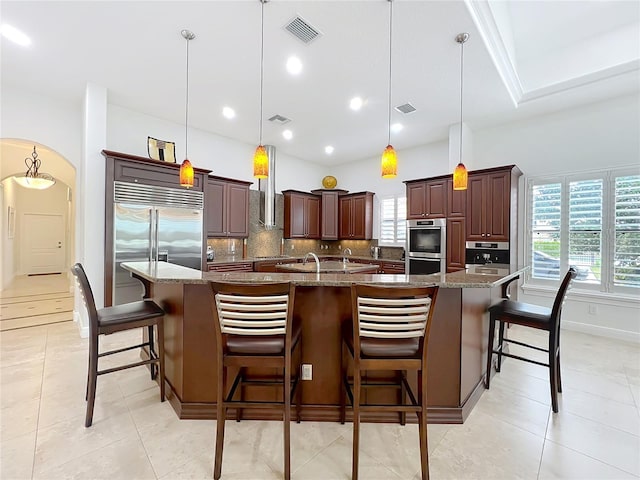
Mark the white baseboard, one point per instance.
(614, 333)
(83, 331)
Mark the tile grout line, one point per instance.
(35, 440)
(544, 441)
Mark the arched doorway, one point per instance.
(37, 244)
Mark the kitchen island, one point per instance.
(457, 344)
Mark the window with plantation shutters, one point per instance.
(590, 222)
(626, 264)
(393, 223)
(585, 228)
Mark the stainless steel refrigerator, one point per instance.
(154, 223)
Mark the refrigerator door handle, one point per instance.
(151, 234)
(156, 242)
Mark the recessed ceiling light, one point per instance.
(396, 127)
(15, 35)
(328, 149)
(356, 103)
(287, 134)
(294, 65)
(228, 112)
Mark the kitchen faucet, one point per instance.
(344, 255)
(315, 257)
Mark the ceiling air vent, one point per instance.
(406, 108)
(301, 29)
(279, 119)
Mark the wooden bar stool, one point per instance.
(105, 321)
(389, 331)
(255, 328)
(533, 316)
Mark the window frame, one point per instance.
(607, 249)
(398, 199)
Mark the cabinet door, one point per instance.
(359, 218)
(312, 217)
(296, 216)
(498, 206)
(237, 209)
(416, 200)
(456, 201)
(215, 215)
(436, 199)
(455, 244)
(476, 207)
(345, 217)
(329, 228)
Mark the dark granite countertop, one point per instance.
(162, 272)
(322, 258)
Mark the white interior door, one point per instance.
(42, 243)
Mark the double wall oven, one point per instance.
(426, 246)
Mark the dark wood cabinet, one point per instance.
(456, 244)
(427, 198)
(301, 215)
(269, 266)
(356, 216)
(456, 200)
(227, 208)
(489, 205)
(329, 213)
(392, 268)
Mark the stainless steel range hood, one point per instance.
(267, 189)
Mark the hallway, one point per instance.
(36, 300)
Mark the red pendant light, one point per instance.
(260, 158)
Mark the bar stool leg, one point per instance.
(221, 412)
(553, 372)
(500, 344)
(152, 350)
(422, 424)
(161, 357)
(403, 396)
(92, 380)
(287, 419)
(343, 380)
(356, 421)
(492, 331)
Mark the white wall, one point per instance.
(127, 132)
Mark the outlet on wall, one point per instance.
(307, 371)
(593, 309)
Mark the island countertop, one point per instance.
(163, 272)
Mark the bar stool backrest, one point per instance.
(556, 311)
(393, 317)
(87, 297)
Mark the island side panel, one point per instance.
(170, 297)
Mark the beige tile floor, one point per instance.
(511, 433)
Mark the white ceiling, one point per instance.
(523, 58)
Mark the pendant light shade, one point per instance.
(460, 177)
(32, 178)
(460, 173)
(260, 163)
(389, 164)
(186, 169)
(260, 158)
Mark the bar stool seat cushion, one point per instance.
(261, 344)
(129, 312)
(522, 313)
(382, 347)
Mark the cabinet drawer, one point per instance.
(396, 268)
(231, 267)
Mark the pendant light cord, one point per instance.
(186, 109)
(390, 44)
(461, 82)
(262, 2)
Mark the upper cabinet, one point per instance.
(329, 213)
(456, 200)
(427, 198)
(227, 207)
(301, 215)
(356, 216)
(491, 207)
